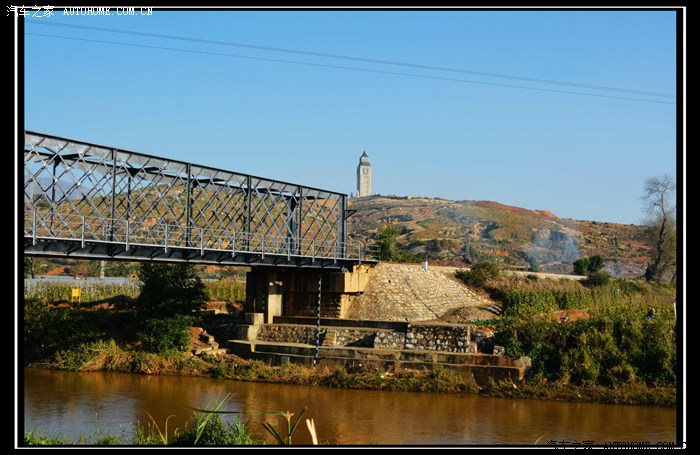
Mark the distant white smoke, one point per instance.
(551, 247)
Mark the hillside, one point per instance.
(458, 232)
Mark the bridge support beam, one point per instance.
(294, 292)
(264, 293)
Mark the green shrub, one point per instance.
(611, 350)
(215, 432)
(588, 265)
(47, 330)
(480, 273)
(161, 335)
(169, 289)
(388, 249)
(597, 279)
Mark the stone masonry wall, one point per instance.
(406, 292)
(447, 338)
(389, 340)
(307, 335)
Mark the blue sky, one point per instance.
(582, 157)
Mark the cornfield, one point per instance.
(226, 290)
(52, 292)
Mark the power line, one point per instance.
(359, 59)
(350, 68)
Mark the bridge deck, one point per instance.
(55, 234)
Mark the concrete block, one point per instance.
(247, 332)
(254, 318)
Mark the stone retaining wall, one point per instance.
(390, 340)
(419, 337)
(406, 292)
(307, 335)
(448, 338)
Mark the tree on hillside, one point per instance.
(480, 273)
(588, 265)
(388, 250)
(387, 242)
(659, 198)
(169, 290)
(33, 265)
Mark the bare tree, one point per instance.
(659, 197)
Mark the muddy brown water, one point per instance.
(82, 403)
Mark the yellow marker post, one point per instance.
(75, 295)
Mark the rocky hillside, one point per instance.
(458, 232)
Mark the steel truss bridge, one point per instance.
(89, 201)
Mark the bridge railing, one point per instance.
(47, 225)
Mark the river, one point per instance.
(82, 403)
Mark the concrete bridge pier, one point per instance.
(264, 293)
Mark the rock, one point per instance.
(523, 361)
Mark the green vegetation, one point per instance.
(51, 292)
(388, 251)
(50, 330)
(39, 438)
(523, 298)
(286, 437)
(170, 295)
(597, 279)
(612, 350)
(207, 430)
(625, 338)
(32, 266)
(210, 430)
(165, 334)
(480, 273)
(169, 290)
(628, 336)
(226, 290)
(588, 265)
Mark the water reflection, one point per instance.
(81, 403)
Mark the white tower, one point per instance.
(364, 176)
